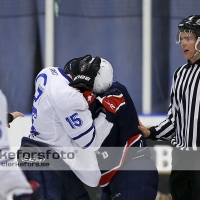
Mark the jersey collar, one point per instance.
(197, 62)
(65, 75)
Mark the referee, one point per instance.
(182, 125)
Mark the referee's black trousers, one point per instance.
(185, 176)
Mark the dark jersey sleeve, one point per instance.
(126, 119)
(126, 124)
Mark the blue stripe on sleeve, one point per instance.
(84, 133)
(87, 145)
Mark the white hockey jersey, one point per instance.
(61, 118)
(12, 179)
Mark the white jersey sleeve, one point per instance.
(12, 179)
(78, 123)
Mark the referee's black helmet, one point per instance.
(190, 23)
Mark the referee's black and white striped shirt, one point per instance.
(182, 125)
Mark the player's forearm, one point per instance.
(103, 128)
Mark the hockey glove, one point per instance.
(68, 67)
(89, 96)
(84, 73)
(112, 100)
(36, 195)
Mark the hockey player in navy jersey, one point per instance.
(62, 122)
(12, 180)
(128, 173)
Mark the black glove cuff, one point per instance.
(152, 133)
(10, 118)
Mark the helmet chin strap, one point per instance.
(197, 50)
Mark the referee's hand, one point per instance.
(143, 130)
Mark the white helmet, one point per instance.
(104, 77)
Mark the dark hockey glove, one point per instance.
(36, 195)
(109, 116)
(84, 73)
(68, 66)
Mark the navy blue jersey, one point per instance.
(125, 120)
(124, 134)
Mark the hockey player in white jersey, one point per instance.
(61, 119)
(12, 180)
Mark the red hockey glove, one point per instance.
(112, 100)
(89, 96)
